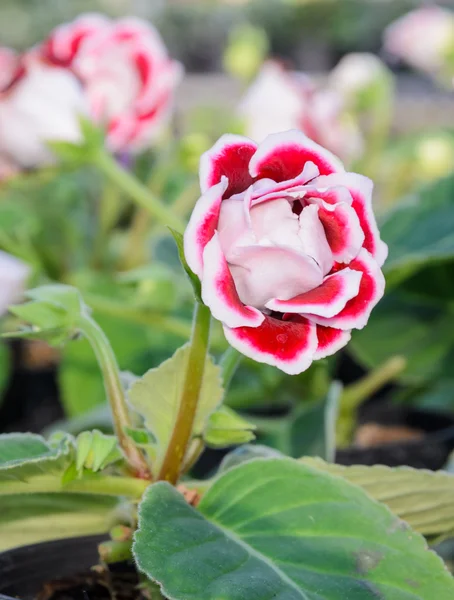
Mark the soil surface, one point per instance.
(119, 582)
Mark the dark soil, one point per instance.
(119, 582)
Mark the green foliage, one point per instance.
(156, 397)
(420, 230)
(276, 528)
(32, 518)
(414, 319)
(53, 314)
(95, 451)
(226, 428)
(195, 281)
(5, 367)
(424, 499)
(26, 456)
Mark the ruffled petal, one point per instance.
(219, 292)
(282, 156)
(265, 272)
(288, 345)
(313, 238)
(356, 312)
(327, 300)
(202, 225)
(360, 188)
(343, 231)
(330, 340)
(229, 157)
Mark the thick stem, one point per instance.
(229, 363)
(115, 394)
(137, 191)
(176, 450)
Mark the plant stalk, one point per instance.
(229, 363)
(138, 192)
(115, 394)
(179, 441)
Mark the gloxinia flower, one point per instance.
(38, 103)
(13, 277)
(279, 100)
(286, 246)
(423, 38)
(126, 72)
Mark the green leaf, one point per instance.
(404, 326)
(95, 450)
(195, 281)
(142, 437)
(156, 396)
(420, 229)
(279, 529)
(424, 499)
(226, 428)
(32, 518)
(53, 313)
(25, 456)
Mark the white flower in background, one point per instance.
(279, 100)
(128, 78)
(423, 38)
(38, 103)
(13, 278)
(357, 72)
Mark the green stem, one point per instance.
(181, 435)
(135, 253)
(137, 191)
(130, 487)
(355, 394)
(115, 394)
(229, 363)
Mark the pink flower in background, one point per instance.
(279, 100)
(126, 73)
(13, 278)
(286, 246)
(423, 38)
(38, 103)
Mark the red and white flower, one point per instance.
(126, 73)
(38, 103)
(286, 246)
(423, 38)
(279, 100)
(13, 277)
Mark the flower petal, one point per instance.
(313, 238)
(202, 225)
(219, 292)
(330, 340)
(356, 312)
(360, 188)
(229, 157)
(282, 156)
(327, 300)
(288, 345)
(343, 231)
(264, 272)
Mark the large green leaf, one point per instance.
(279, 529)
(420, 229)
(157, 394)
(424, 499)
(28, 519)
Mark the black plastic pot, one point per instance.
(23, 571)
